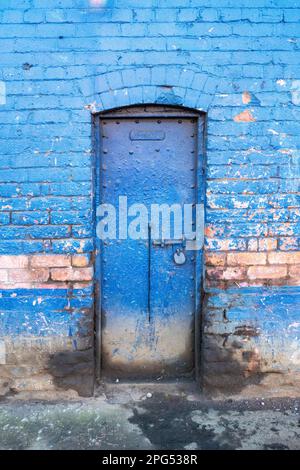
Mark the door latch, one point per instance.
(167, 242)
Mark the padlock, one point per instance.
(179, 257)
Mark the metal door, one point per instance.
(148, 286)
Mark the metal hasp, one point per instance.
(149, 293)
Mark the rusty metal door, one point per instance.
(148, 284)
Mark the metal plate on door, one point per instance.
(147, 135)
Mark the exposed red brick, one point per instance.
(12, 261)
(3, 275)
(71, 274)
(246, 258)
(246, 97)
(267, 244)
(249, 283)
(267, 272)
(52, 285)
(215, 259)
(16, 285)
(79, 285)
(244, 116)
(214, 273)
(36, 285)
(24, 275)
(213, 283)
(294, 271)
(292, 281)
(50, 261)
(80, 261)
(282, 257)
(232, 273)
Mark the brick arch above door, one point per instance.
(167, 85)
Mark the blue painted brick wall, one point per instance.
(53, 53)
(63, 60)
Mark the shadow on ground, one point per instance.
(177, 422)
(147, 417)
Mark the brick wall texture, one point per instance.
(62, 61)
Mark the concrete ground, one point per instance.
(148, 417)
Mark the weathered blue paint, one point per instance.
(42, 313)
(250, 319)
(62, 61)
(148, 302)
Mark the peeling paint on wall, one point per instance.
(295, 90)
(61, 66)
(2, 93)
(244, 116)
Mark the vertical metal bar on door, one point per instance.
(149, 272)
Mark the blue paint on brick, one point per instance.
(4, 218)
(271, 315)
(30, 218)
(62, 60)
(44, 312)
(19, 247)
(30, 323)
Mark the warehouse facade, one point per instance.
(161, 102)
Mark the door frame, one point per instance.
(151, 111)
